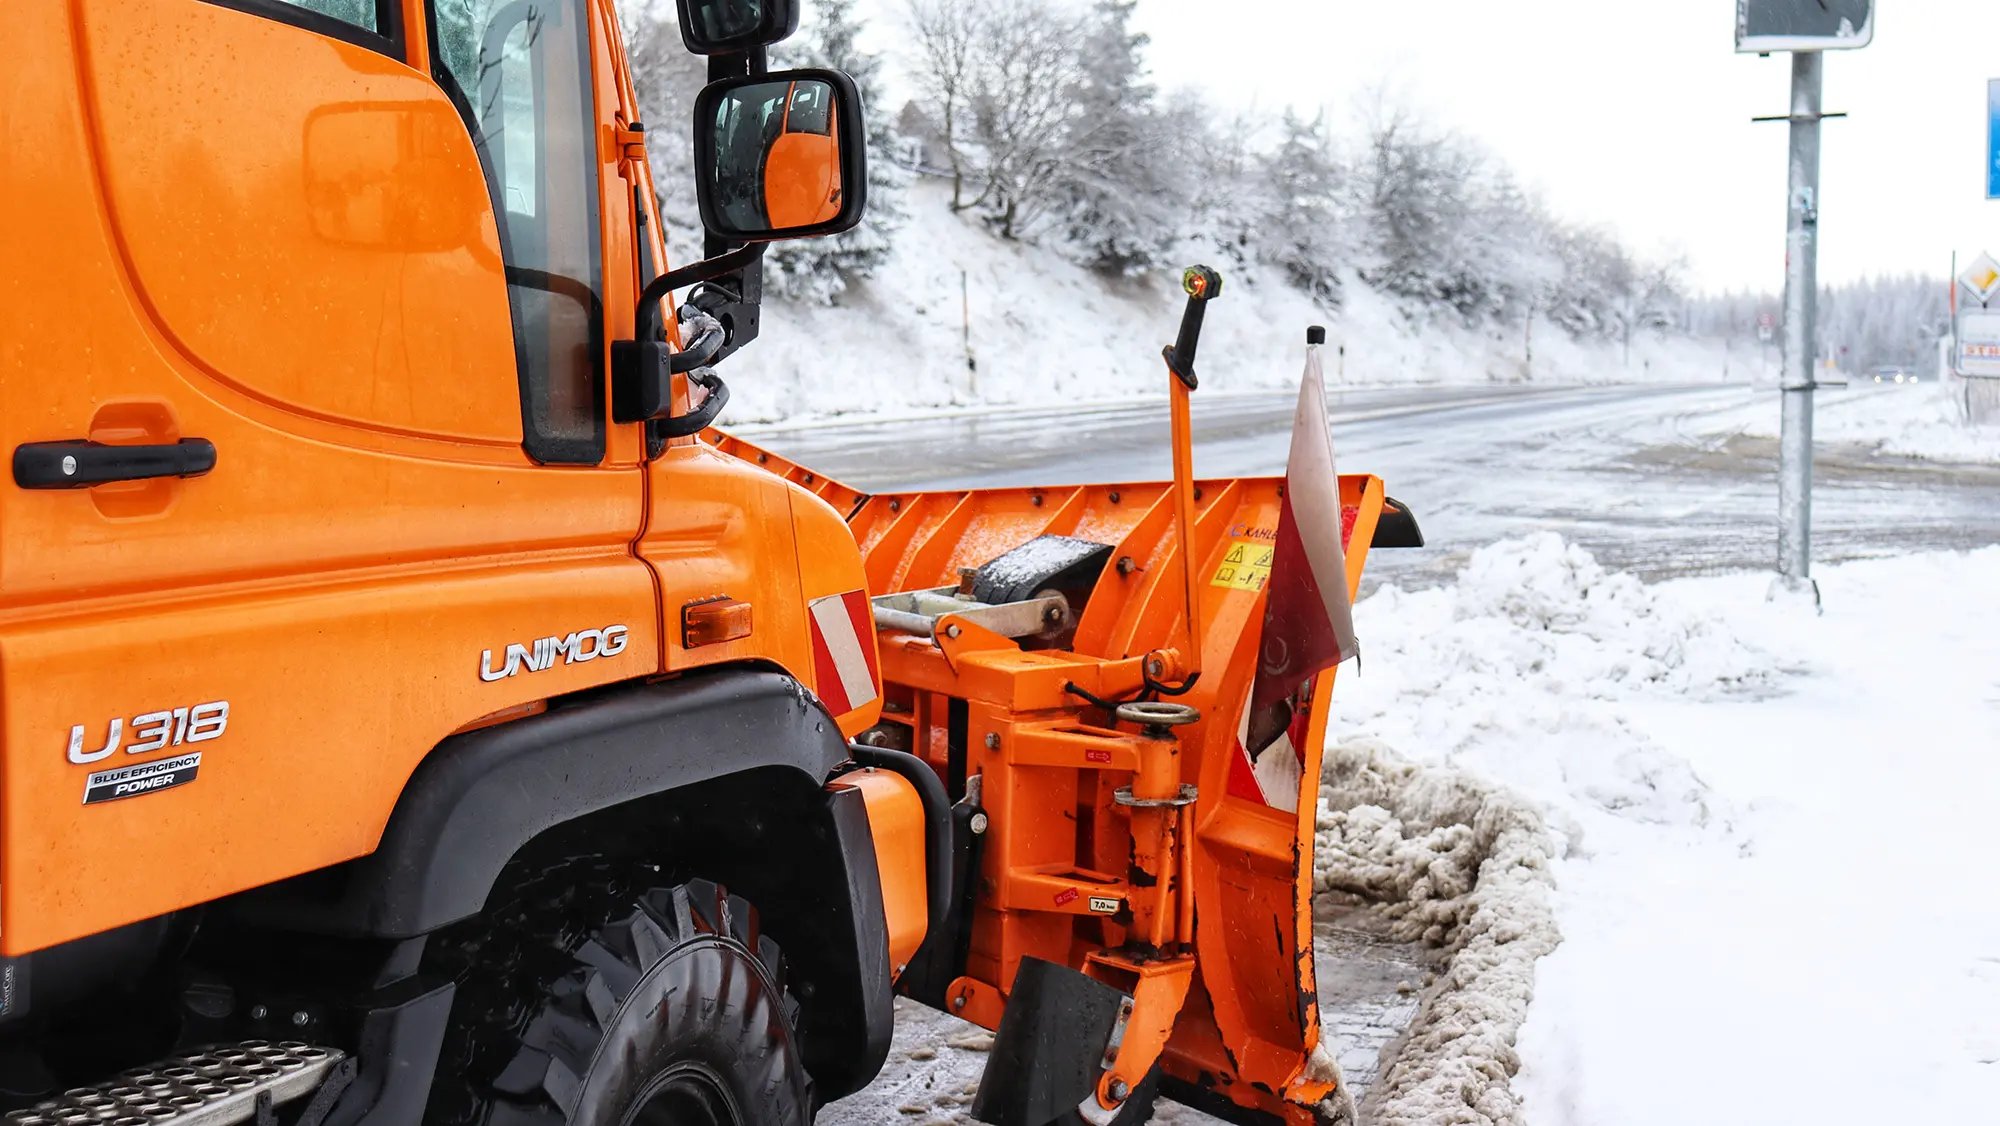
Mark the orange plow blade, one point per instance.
(1032, 645)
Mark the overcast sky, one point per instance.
(1637, 115)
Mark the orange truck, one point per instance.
(413, 711)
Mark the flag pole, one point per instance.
(1201, 285)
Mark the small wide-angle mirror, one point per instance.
(715, 27)
(780, 156)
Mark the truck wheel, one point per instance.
(670, 1011)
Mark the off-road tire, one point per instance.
(667, 1007)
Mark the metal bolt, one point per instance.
(259, 1012)
(958, 1002)
(1119, 1091)
(895, 505)
(992, 740)
(1052, 615)
(1036, 500)
(1155, 668)
(1125, 565)
(302, 1018)
(951, 631)
(1197, 494)
(1115, 498)
(978, 824)
(69, 466)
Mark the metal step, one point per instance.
(212, 1087)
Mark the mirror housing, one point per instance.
(723, 27)
(780, 156)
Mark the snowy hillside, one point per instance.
(1046, 331)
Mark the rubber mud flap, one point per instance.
(1049, 1049)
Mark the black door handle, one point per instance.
(80, 464)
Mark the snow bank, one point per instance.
(1044, 331)
(1513, 688)
(1462, 865)
(1926, 421)
(1760, 827)
(1518, 671)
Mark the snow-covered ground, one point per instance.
(1684, 854)
(1773, 880)
(1045, 331)
(1924, 420)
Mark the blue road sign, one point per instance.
(1993, 139)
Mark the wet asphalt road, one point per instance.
(1626, 471)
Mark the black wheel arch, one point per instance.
(729, 766)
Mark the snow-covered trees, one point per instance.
(1123, 177)
(1043, 117)
(1025, 106)
(666, 79)
(819, 270)
(946, 34)
(1867, 324)
(1047, 122)
(1299, 208)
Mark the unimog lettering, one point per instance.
(578, 647)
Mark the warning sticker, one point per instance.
(1245, 566)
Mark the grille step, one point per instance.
(212, 1087)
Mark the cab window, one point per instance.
(374, 24)
(520, 73)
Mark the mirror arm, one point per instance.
(651, 320)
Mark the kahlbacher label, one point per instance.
(131, 781)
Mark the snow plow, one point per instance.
(1035, 657)
(1126, 883)
(412, 710)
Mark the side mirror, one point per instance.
(391, 175)
(722, 27)
(780, 156)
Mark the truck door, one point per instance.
(312, 458)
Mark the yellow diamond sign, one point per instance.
(1982, 280)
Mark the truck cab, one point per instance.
(357, 536)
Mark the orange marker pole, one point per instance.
(1201, 285)
(1183, 426)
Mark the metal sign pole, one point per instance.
(1801, 328)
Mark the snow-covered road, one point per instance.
(1654, 480)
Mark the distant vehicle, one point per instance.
(1894, 375)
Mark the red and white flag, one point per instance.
(1308, 613)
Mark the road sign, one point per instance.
(1767, 327)
(1979, 343)
(1982, 279)
(1763, 26)
(1993, 139)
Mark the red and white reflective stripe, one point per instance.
(843, 628)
